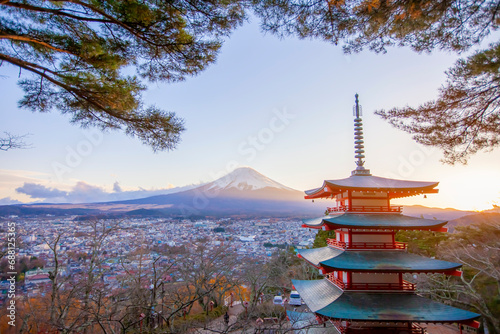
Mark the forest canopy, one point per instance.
(78, 51)
(465, 117)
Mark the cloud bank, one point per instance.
(9, 201)
(83, 192)
(39, 191)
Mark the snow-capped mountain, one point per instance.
(245, 178)
(243, 192)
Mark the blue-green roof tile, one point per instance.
(326, 299)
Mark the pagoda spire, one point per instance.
(358, 141)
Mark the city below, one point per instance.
(132, 245)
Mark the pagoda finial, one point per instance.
(358, 141)
(357, 105)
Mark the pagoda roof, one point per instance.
(372, 183)
(374, 221)
(325, 299)
(374, 261)
(317, 255)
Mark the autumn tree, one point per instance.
(92, 59)
(257, 278)
(465, 118)
(265, 279)
(477, 247)
(73, 302)
(208, 272)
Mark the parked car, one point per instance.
(278, 300)
(295, 299)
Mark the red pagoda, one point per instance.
(363, 290)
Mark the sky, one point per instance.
(282, 107)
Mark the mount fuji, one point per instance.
(242, 192)
(245, 178)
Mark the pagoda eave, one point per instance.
(396, 188)
(327, 300)
(331, 227)
(328, 270)
(313, 227)
(322, 194)
(376, 221)
(402, 194)
(372, 261)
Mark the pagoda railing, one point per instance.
(415, 329)
(338, 326)
(336, 281)
(366, 245)
(366, 208)
(405, 286)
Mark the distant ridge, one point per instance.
(437, 213)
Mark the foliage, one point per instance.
(22, 265)
(321, 236)
(377, 24)
(425, 243)
(264, 280)
(266, 310)
(198, 319)
(83, 302)
(477, 247)
(465, 117)
(81, 56)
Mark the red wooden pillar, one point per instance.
(349, 197)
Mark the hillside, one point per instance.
(477, 218)
(431, 213)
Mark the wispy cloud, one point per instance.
(15, 177)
